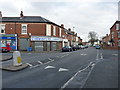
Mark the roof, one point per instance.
(32, 19)
(28, 19)
(115, 23)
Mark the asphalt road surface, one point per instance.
(88, 68)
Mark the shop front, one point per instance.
(65, 42)
(8, 40)
(45, 43)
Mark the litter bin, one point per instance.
(29, 49)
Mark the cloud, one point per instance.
(84, 15)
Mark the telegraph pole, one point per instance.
(119, 11)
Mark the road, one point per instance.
(87, 68)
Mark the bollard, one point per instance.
(17, 58)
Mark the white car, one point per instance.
(82, 47)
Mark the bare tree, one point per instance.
(93, 37)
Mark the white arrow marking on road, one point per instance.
(62, 69)
(115, 54)
(83, 54)
(49, 67)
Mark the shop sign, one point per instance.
(45, 38)
(8, 36)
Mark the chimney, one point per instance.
(21, 15)
(69, 29)
(76, 34)
(0, 14)
(106, 34)
(62, 25)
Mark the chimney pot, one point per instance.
(69, 29)
(21, 14)
(62, 25)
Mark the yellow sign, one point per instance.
(19, 59)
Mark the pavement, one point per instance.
(14, 68)
(10, 67)
(5, 57)
(89, 68)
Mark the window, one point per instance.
(54, 30)
(112, 34)
(48, 30)
(118, 43)
(24, 29)
(2, 28)
(117, 27)
(60, 32)
(119, 34)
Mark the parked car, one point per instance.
(86, 46)
(74, 47)
(67, 48)
(82, 47)
(97, 46)
(78, 47)
(5, 49)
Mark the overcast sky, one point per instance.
(83, 15)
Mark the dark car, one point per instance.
(74, 47)
(82, 47)
(97, 46)
(78, 47)
(67, 48)
(86, 46)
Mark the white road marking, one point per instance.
(34, 66)
(64, 55)
(83, 54)
(49, 62)
(29, 64)
(115, 54)
(101, 55)
(50, 59)
(49, 67)
(97, 57)
(62, 69)
(40, 62)
(74, 77)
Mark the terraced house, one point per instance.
(112, 41)
(36, 32)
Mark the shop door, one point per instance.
(53, 46)
(24, 44)
(38, 46)
(48, 46)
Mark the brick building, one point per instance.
(36, 32)
(113, 39)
